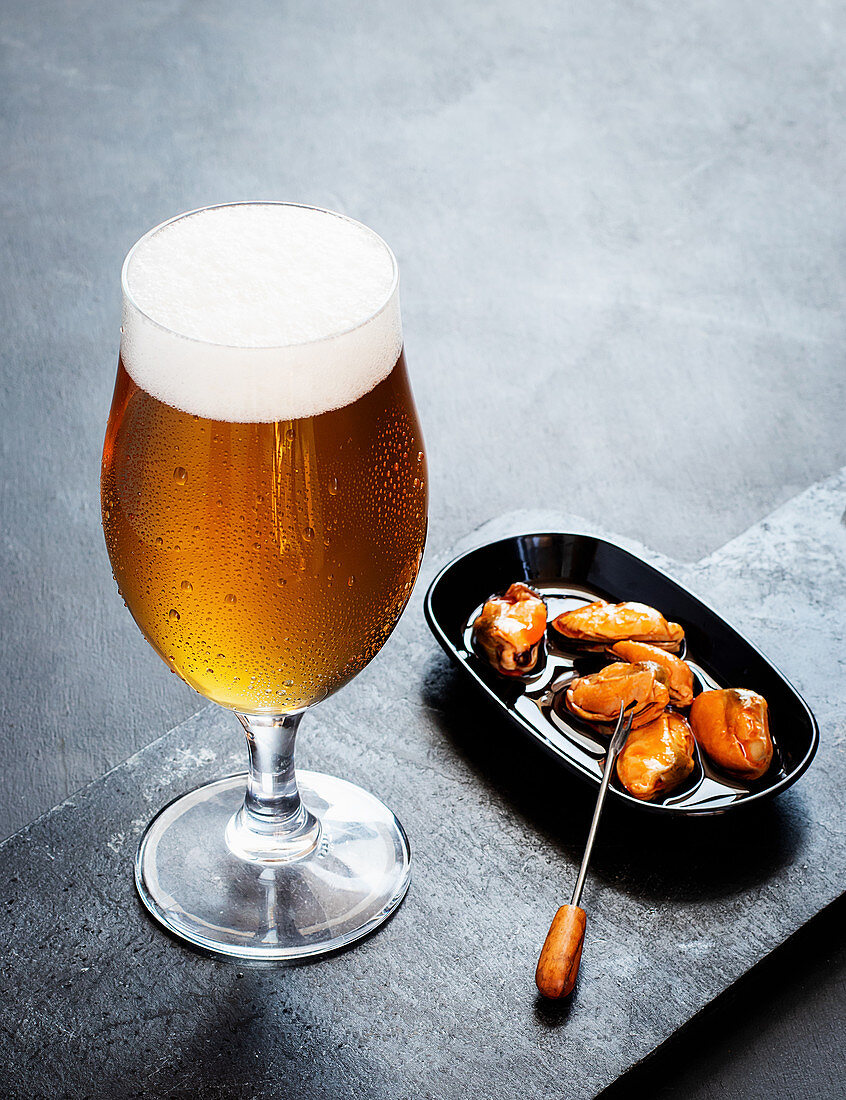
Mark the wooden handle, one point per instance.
(558, 965)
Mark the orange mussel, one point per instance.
(656, 757)
(509, 629)
(674, 672)
(597, 697)
(602, 623)
(732, 727)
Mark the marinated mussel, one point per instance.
(675, 673)
(601, 623)
(732, 727)
(597, 697)
(510, 629)
(656, 757)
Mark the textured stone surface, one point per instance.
(441, 1001)
(776, 1032)
(619, 222)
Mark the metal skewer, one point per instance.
(561, 954)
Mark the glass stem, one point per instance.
(273, 825)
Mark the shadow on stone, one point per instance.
(764, 1008)
(553, 1013)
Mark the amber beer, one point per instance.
(265, 560)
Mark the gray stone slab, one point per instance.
(440, 1003)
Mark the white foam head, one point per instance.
(260, 312)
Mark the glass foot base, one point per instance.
(342, 889)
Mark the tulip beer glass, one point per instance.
(264, 507)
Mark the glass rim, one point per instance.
(128, 296)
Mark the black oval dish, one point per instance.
(568, 570)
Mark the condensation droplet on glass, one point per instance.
(333, 486)
(186, 586)
(180, 475)
(308, 534)
(289, 434)
(350, 581)
(419, 456)
(173, 615)
(280, 582)
(159, 542)
(231, 599)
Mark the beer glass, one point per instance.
(264, 506)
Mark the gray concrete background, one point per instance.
(619, 227)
